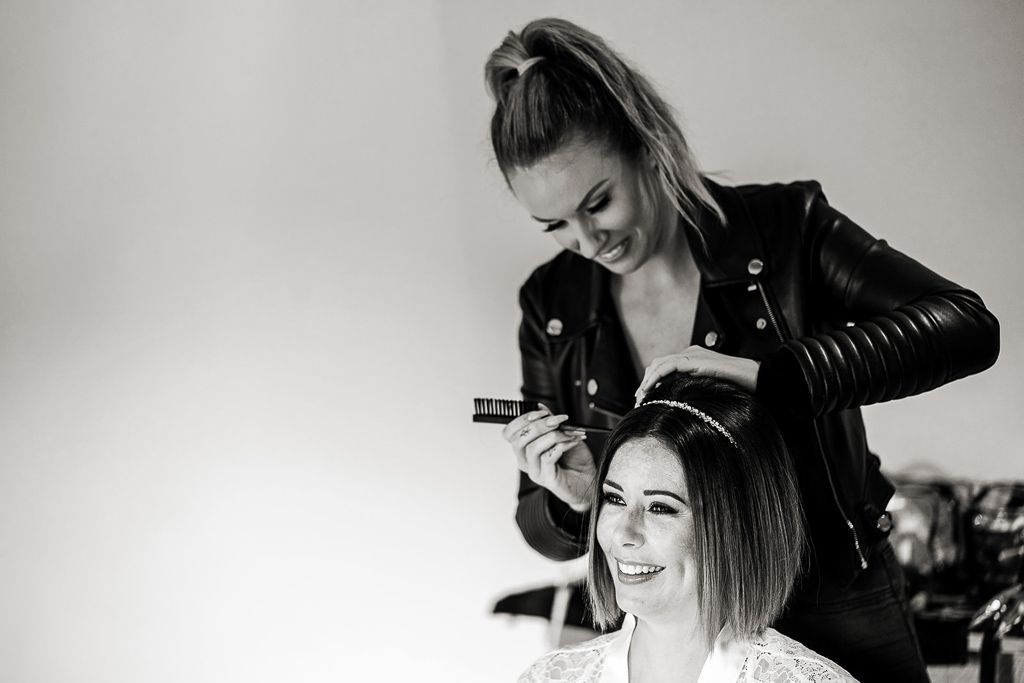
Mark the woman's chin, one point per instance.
(623, 266)
(632, 604)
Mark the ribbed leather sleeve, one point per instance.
(912, 329)
(549, 526)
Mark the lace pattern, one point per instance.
(775, 658)
(770, 658)
(582, 662)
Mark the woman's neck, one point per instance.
(670, 266)
(668, 651)
(672, 259)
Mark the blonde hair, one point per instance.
(575, 85)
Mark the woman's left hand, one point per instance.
(697, 360)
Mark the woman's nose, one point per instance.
(629, 532)
(590, 239)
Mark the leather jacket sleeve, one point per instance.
(548, 525)
(912, 330)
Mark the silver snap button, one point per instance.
(884, 523)
(755, 266)
(554, 327)
(591, 386)
(761, 323)
(711, 338)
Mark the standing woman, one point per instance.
(766, 286)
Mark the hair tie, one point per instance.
(526, 64)
(701, 414)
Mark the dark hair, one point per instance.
(579, 88)
(748, 522)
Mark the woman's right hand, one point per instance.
(553, 457)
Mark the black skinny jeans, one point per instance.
(869, 630)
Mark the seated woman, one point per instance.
(696, 544)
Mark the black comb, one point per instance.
(501, 410)
(504, 410)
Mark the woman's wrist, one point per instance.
(752, 369)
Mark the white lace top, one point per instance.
(769, 658)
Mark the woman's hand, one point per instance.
(697, 360)
(554, 457)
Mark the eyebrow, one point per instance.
(659, 492)
(648, 492)
(586, 200)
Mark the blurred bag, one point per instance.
(995, 538)
(928, 527)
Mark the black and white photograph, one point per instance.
(542, 341)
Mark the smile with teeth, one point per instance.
(636, 569)
(614, 252)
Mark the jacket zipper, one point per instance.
(817, 436)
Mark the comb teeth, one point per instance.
(500, 410)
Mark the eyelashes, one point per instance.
(611, 498)
(593, 209)
(599, 206)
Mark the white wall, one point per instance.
(255, 259)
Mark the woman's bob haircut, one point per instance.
(554, 83)
(748, 523)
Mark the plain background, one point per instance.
(255, 259)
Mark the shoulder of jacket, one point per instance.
(781, 214)
(798, 193)
(763, 222)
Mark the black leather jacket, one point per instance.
(837, 318)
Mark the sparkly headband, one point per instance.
(701, 414)
(526, 64)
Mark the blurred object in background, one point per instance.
(928, 528)
(961, 545)
(928, 536)
(562, 603)
(998, 626)
(995, 549)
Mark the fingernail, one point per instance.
(555, 421)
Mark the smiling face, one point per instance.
(597, 203)
(645, 529)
